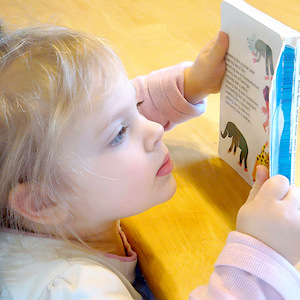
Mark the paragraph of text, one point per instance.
(238, 84)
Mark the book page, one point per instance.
(251, 61)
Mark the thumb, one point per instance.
(262, 174)
(219, 47)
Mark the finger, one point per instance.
(293, 197)
(223, 40)
(262, 174)
(275, 188)
(210, 44)
(220, 46)
(214, 38)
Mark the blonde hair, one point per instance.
(46, 73)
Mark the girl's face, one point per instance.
(120, 164)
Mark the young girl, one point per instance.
(78, 154)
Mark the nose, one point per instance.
(152, 135)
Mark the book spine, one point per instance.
(295, 109)
(283, 121)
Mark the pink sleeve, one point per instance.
(163, 95)
(249, 269)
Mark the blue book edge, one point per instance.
(284, 113)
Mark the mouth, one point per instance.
(166, 167)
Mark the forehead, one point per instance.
(116, 102)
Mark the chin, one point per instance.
(164, 194)
(169, 190)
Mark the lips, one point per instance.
(166, 166)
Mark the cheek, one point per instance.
(136, 169)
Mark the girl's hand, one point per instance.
(271, 214)
(204, 77)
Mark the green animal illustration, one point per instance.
(260, 49)
(238, 140)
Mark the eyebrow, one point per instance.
(112, 117)
(102, 125)
(138, 103)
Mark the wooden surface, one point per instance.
(177, 242)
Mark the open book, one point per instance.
(260, 92)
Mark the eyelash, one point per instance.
(139, 103)
(120, 137)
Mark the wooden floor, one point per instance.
(179, 241)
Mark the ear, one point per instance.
(39, 209)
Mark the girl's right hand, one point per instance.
(271, 214)
(204, 77)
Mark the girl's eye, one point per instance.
(120, 137)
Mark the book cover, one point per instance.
(256, 44)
